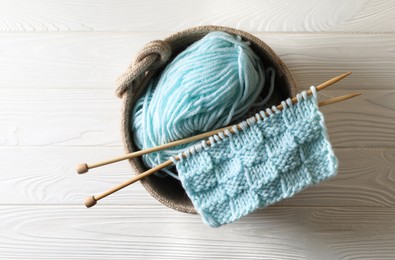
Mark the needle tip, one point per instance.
(342, 76)
(349, 96)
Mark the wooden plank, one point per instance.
(88, 117)
(313, 58)
(77, 60)
(365, 121)
(71, 117)
(46, 175)
(95, 60)
(43, 175)
(150, 15)
(138, 232)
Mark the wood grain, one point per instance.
(46, 175)
(58, 64)
(91, 117)
(59, 117)
(150, 15)
(365, 121)
(53, 232)
(95, 60)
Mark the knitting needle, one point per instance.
(83, 168)
(92, 200)
(337, 99)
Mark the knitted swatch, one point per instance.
(269, 160)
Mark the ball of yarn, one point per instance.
(213, 82)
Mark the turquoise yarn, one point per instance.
(213, 82)
(267, 161)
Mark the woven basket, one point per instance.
(151, 60)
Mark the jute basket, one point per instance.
(151, 60)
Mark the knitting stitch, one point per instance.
(269, 160)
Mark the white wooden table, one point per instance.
(58, 64)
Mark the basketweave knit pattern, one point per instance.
(269, 160)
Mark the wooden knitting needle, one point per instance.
(83, 168)
(337, 99)
(92, 200)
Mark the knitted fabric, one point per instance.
(267, 161)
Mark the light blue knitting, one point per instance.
(269, 160)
